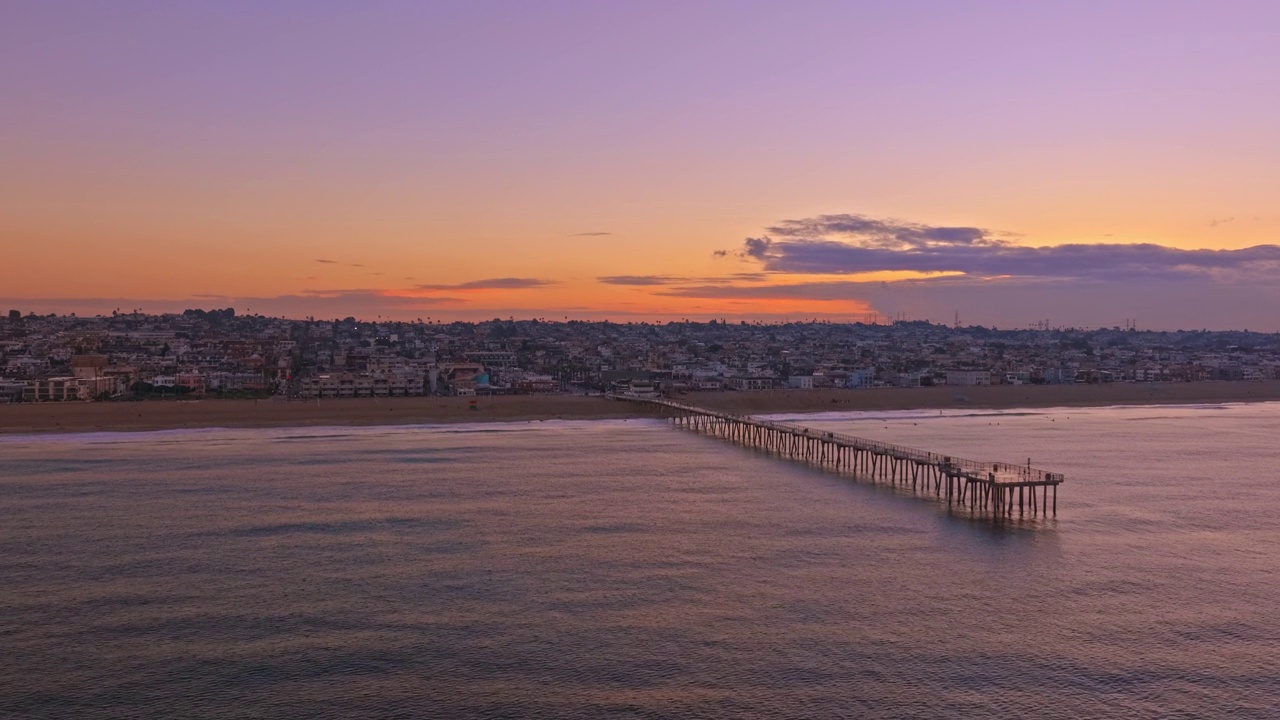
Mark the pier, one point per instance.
(996, 489)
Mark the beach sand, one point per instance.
(278, 412)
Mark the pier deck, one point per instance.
(996, 488)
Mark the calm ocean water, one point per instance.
(630, 569)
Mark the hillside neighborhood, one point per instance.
(217, 353)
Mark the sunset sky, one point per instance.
(1012, 162)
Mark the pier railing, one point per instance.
(999, 472)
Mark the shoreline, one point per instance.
(989, 397)
(72, 417)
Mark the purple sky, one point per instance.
(476, 159)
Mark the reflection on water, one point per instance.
(608, 568)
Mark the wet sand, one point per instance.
(278, 412)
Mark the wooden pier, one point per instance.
(997, 489)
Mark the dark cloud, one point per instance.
(720, 253)
(873, 232)
(1220, 221)
(850, 244)
(493, 284)
(757, 248)
(990, 279)
(328, 262)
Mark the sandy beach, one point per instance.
(278, 412)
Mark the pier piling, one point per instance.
(984, 486)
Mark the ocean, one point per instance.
(635, 570)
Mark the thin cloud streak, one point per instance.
(509, 283)
(640, 280)
(821, 291)
(335, 262)
(658, 280)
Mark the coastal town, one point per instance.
(218, 353)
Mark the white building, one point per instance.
(748, 382)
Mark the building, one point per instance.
(748, 382)
(59, 389)
(639, 388)
(968, 378)
(864, 377)
(88, 366)
(346, 385)
(11, 390)
(462, 378)
(495, 358)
